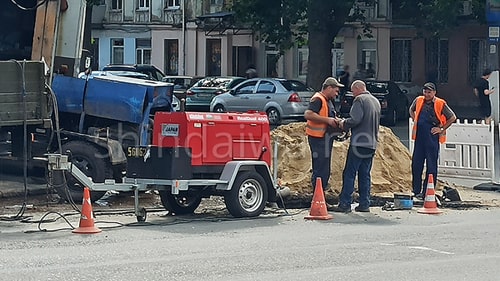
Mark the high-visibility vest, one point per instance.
(315, 129)
(438, 109)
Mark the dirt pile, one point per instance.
(391, 171)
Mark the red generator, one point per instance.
(215, 138)
(199, 154)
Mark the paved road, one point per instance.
(399, 245)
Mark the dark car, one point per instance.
(393, 101)
(181, 84)
(150, 70)
(199, 96)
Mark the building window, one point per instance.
(171, 56)
(116, 4)
(173, 4)
(303, 57)
(216, 2)
(143, 51)
(117, 50)
(436, 60)
(143, 4)
(213, 57)
(478, 52)
(401, 60)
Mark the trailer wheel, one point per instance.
(248, 195)
(180, 204)
(89, 160)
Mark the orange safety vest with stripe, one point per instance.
(438, 109)
(315, 129)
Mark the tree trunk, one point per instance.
(325, 18)
(320, 59)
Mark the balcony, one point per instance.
(142, 16)
(115, 16)
(173, 16)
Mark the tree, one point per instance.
(433, 18)
(304, 22)
(316, 23)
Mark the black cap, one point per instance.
(430, 86)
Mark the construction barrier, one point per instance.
(469, 151)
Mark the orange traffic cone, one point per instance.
(318, 205)
(87, 219)
(430, 205)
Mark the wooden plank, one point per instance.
(44, 36)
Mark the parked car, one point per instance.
(393, 101)
(199, 96)
(279, 98)
(152, 71)
(181, 84)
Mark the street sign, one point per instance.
(493, 33)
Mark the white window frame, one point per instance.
(142, 46)
(116, 5)
(302, 58)
(115, 47)
(173, 4)
(143, 5)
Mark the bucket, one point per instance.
(403, 201)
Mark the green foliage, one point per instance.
(278, 22)
(435, 17)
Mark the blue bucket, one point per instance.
(403, 201)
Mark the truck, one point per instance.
(45, 108)
(120, 133)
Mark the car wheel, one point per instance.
(274, 116)
(219, 108)
(405, 113)
(392, 117)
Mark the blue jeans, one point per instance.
(321, 154)
(359, 161)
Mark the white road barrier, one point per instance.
(469, 151)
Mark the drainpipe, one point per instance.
(183, 37)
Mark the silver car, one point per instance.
(279, 98)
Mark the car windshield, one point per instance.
(293, 85)
(214, 82)
(376, 87)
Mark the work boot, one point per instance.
(339, 209)
(361, 209)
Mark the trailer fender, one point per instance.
(232, 168)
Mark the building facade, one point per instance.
(198, 38)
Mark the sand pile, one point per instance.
(391, 171)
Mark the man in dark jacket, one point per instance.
(364, 124)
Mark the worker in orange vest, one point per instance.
(431, 116)
(321, 128)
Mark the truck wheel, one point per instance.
(180, 204)
(248, 195)
(90, 161)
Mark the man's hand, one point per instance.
(332, 122)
